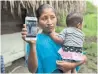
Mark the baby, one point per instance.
(71, 38)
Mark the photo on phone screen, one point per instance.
(31, 25)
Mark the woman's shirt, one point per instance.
(47, 54)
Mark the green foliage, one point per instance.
(91, 48)
(91, 53)
(90, 25)
(59, 29)
(90, 8)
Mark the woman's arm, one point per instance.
(66, 66)
(32, 59)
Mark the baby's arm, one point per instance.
(56, 38)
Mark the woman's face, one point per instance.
(48, 20)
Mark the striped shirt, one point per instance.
(72, 37)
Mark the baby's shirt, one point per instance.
(72, 37)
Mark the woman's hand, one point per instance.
(24, 33)
(66, 66)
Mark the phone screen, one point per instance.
(31, 28)
(31, 25)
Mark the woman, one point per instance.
(43, 54)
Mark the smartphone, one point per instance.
(31, 25)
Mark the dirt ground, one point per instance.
(24, 69)
(17, 66)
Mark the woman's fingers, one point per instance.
(24, 33)
(23, 37)
(24, 25)
(61, 66)
(60, 62)
(24, 29)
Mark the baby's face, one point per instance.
(48, 20)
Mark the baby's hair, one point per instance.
(41, 8)
(73, 19)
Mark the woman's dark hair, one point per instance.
(73, 19)
(41, 8)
